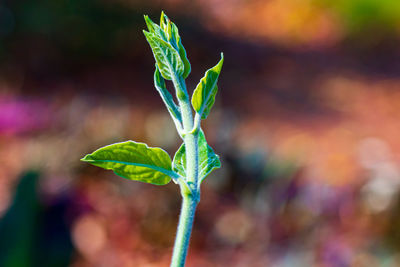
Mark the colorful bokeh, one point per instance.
(306, 121)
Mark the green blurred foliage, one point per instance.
(31, 234)
(313, 109)
(372, 18)
(17, 228)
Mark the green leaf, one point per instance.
(134, 161)
(179, 162)
(164, 21)
(208, 160)
(155, 29)
(204, 95)
(182, 52)
(168, 32)
(159, 83)
(167, 58)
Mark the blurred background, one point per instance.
(307, 124)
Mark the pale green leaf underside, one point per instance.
(167, 58)
(166, 96)
(134, 161)
(208, 160)
(204, 95)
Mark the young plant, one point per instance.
(195, 159)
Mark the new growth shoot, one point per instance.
(195, 159)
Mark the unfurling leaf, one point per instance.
(168, 32)
(173, 109)
(204, 95)
(167, 58)
(155, 29)
(164, 21)
(134, 161)
(208, 160)
(182, 51)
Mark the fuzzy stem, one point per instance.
(190, 139)
(189, 198)
(184, 231)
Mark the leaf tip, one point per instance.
(146, 19)
(147, 34)
(87, 158)
(164, 18)
(222, 58)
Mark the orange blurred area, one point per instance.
(306, 123)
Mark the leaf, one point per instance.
(167, 58)
(168, 32)
(163, 21)
(182, 51)
(134, 161)
(155, 29)
(179, 162)
(204, 95)
(208, 160)
(159, 83)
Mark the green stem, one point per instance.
(184, 231)
(190, 139)
(189, 198)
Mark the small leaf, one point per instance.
(204, 95)
(179, 162)
(155, 29)
(182, 52)
(208, 160)
(163, 21)
(167, 58)
(168, 32)
(134, 161)
(159, 83)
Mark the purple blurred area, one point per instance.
(306, 121)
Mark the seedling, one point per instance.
(195, 159)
